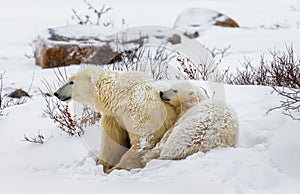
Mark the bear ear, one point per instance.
(71, 78)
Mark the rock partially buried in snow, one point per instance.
(195, 20)
(18, 93)
(62, 46)
(78, 44)
(175, 39)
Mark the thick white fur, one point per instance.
(134, 117)
(205, 124)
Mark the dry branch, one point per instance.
(37, 139)
(88, 19)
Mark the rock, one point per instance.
(18, 93)
(196, 20)
(194, 35)
(51, 55)
(228, 22)
(175, 39)
(67, 45)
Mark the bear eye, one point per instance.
(191, 93)
(71, 82)
(175, 91)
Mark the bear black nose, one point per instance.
(161, 94)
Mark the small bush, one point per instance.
(96, 17)
(250, 75)
(145, 58)
(219, 53)
(290, 105)
(203, 71)
(282, 70)
(36, 139)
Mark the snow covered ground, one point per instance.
(266, 159)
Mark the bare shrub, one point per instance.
(89, 117)
(290, 106)
(282, 70)
(96, 13)
(250, 74)
(145, 58)
(286, 73)
(285, 69)
(202, 71)
(36, 139)
(60, 113)
(218, 52)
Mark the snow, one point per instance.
(197, 19)
(80, 32)
(283, 146)
(265, 160)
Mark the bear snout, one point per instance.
(62, 98)
(163, 97)
(161, 94)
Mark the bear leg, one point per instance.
(114, 143)
(131, 159)
(152, 154)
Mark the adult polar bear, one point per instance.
(134, 118)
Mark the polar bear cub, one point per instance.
(204, 124)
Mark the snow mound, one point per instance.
(195, 20)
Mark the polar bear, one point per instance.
(183, 95)
(134, 118)
(204, 124)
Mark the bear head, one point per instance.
(79, 87)
(183, 95)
